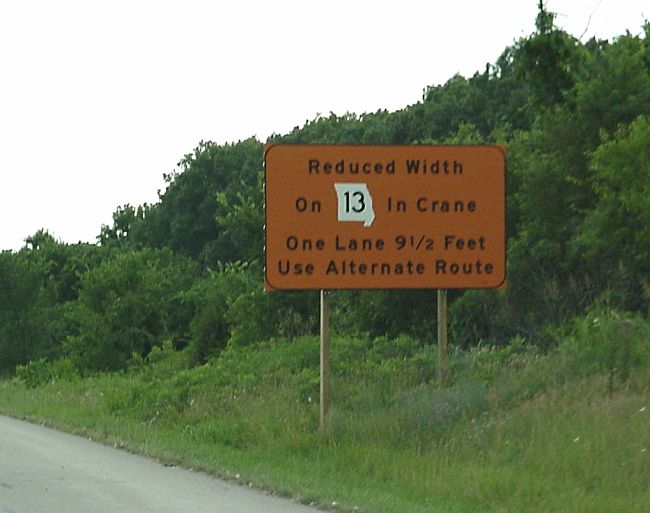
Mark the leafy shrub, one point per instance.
(609, 341)
(27, 314)
(162, 362)
(211, 299)
(259, 315)
(127, 304)
(231, 307)
(39, 372)
(384, 359)
(386, 313)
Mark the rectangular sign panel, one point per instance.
(366, 217)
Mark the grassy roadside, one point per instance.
(566, 431)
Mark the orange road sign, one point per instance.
(374, 217)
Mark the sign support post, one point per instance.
(324, 362)
(443, 369)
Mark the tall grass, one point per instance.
(516, 430)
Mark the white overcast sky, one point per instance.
(99, 98)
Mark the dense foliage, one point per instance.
(188, 269)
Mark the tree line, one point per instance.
(188, 269)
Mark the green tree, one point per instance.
(240, 221)
(548, 61)
(129, 304)
(125, 219)
(25, 312)
(616, 232)
(185, 218)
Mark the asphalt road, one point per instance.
(46, 471)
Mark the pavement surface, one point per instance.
(46, 471)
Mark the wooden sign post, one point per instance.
(443, 368)
(324, 361)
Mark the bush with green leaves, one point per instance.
(128, 304)
(231, 307)
(211, 299)
(28, 314)
(41, 371)
(607, 341)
